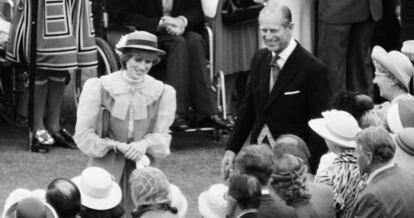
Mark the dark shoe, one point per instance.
(64, 140)
(220, 123)
(41, 140)
(179, 124)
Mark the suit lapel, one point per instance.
(264, 79)
(287, 73)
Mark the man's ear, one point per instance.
(370, 158)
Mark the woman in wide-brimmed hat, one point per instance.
(339, 128)
(393, 72)
(141, 110)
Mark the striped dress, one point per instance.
(346, 181)
(65, 35)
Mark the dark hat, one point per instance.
(405, 140)
(140, 40)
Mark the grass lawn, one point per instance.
(193, 165)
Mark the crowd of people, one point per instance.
(308, 141)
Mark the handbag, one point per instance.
(238, 11)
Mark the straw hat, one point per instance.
(98, 190)
(398, 64)
(139, 40)
(336, 126)
(28, 204)
(401, 115)
(211, 203)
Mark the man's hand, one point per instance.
(227, 163)
(408, 49)
(173, 25)
(136, 150)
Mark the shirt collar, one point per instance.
(246, 212)
(284, 55)
(379, 170)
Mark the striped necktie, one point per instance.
(274, 69)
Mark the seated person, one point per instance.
(243, 197)
(101, 196)
(256, 160)
(212, 203)
(65, 198)
(322, 194)
(176, 24)
(154, 196)
(288, 182)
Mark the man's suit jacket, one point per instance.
(349, 11)
(249, 215)
(407, 19)
(146, 14)
(300, 93)
(390, 194)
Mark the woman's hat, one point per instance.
(211, 203)
(405, 140)
(149, 186)
(339, 127)
(287, 167)
(401, 115)
(398, 64)
(98, 190)
(139, 40)
(27, 203)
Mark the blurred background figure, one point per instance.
(101, 196)
(340, 170)
(63, 44)
(243, 197)
(212, 203)
(288, 182)
(154, 196)
(65, 198)
(404, 152)
(234, 46)
(345, 30)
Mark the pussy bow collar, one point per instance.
(127, 94)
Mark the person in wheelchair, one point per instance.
(177, 23)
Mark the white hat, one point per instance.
(401, 115)
(178, 200)
(211, 203)
(336, 126)
(398, 64)
(98, 190)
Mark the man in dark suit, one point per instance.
(176, 23)
(346, 29)
(390, 188)
(280, 99)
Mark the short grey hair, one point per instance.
(378, 142)
(271, 10)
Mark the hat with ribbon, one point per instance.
(212, 203)
(398, 64)
(339, 127)
(139, 40)
(98, 190)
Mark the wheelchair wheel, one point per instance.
(107, 63)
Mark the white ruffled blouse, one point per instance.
(133, 101)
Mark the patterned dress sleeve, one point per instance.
(159, 140)
(89, 107)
